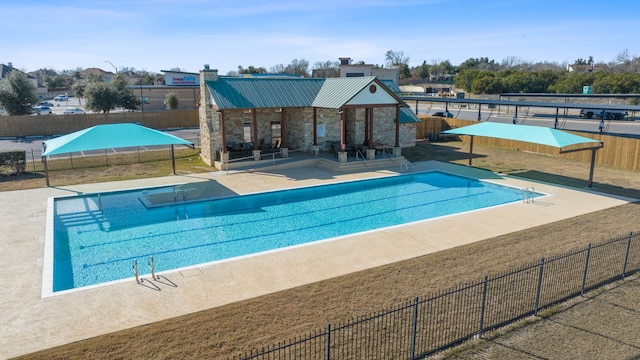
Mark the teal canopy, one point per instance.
(109, 137)
(533, 134)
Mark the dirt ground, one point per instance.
(244, 326)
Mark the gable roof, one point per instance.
(336, 92)
(282, 92)
(110, 136)
(249, 93)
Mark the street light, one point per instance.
(114, 67)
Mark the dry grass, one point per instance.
(262, 321)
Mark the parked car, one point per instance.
(443, 114)
(42, 110)
(61, 98)
(73, 111)
(608, 114)
(45, 103)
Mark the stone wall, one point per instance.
(298, 125)
(209, 119)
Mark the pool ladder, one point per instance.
(134, 264)
(152, 266)
(406, 165)
(528, 194)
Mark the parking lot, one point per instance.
(59, 106)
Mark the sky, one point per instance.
(156, 35)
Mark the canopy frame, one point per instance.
(128, 135)
(469, 132)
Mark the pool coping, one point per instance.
(30, 322)
(49, 257)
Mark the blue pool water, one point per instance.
(93, 246)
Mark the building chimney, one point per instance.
(345, 61)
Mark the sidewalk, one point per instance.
(29, 322)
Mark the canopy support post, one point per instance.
(470, 149)
(593, 162)
(173, 160)
(593, 159)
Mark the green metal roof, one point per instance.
(532, 134)
(407, 116)
(248, 93)
(336, 92)
(266, 92)
(108, 137)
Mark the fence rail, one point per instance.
(424, 326)
(22, 126)
(96, 158)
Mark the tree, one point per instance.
(396, 58)
(171, 101)
(56, 81)
(101, 97)
(421, 72)
(327, 69)
(17, 94)
(251, 70)
(298, 67)
(512, 61)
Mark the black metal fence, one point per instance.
(96, 158)
(433, 323)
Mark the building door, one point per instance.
(276, 134)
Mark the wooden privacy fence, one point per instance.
(618, 152)
(46, 125)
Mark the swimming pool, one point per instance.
(97, 237)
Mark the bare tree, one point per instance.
(512, 61)
(396, 58)
(326, 69)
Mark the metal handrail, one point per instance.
(134, 264)
(152, 266)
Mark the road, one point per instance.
(570, 122)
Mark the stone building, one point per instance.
(346, 116)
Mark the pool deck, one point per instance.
(29, 322)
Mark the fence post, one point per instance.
(327, 355)
(415, 328)
(626, 256)
(586, 268)
(483, 305)
(33, 160)
(539, 289)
